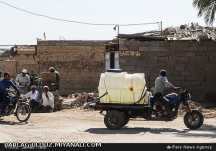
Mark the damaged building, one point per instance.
(188, 53)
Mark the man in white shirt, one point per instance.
(47, 102)
(33, 96)
(160, 83)
(23, 81)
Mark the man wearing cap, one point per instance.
(23, 79)
(161, 83)
(33, 96)
(52, 69)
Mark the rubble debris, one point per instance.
(191, 31)
(79, 100)
(208, 109)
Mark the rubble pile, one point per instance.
(208, 109)
(79, 100)
(57, 100)
(191, 31)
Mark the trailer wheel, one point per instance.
(114, 119)
(126, 119)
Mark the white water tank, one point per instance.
(122, 88)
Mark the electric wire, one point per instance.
(73, 21)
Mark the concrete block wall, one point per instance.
(189, 64)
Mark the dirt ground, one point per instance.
(74, 125)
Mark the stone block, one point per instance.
(179, 78)
(211, 48)
(165, 58)
(202, 48)
(200, 53)
(183, 59)
(195, 83)
(180, 53)
(144, 44)
(192, 54)
(207, 43)
(172, 48)
(154, 44)
(211, 53)
(164, 43)
(179, 68)
(129, 68)
(174, 43)
(192, 48)
(143, 48)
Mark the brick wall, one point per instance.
(189, 64)
(79, 63)
(2, 59)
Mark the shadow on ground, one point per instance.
(204, 131)
(2, 122)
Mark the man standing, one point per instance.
(52, 69)
(23, 80)
(34, 97)
(160, 83)
(47, 102)
(5, 83)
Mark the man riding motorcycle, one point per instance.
(5, 83)
(160, 83)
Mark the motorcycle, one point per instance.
(118, 115)
(17, 107)
(193, 118)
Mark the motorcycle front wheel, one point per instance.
(194, 119)
(23, 112)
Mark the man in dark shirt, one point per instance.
(52, 69)
(5, 83)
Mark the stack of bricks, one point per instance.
(189, 64)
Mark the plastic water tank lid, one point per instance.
(114, 70)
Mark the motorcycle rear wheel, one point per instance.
(194, 119)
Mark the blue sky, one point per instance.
(17, 27)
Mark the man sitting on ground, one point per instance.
(34, 97)
(47, 102)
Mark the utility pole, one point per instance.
(161, 26)
(117, 29)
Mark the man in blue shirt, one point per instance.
(5, 83)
